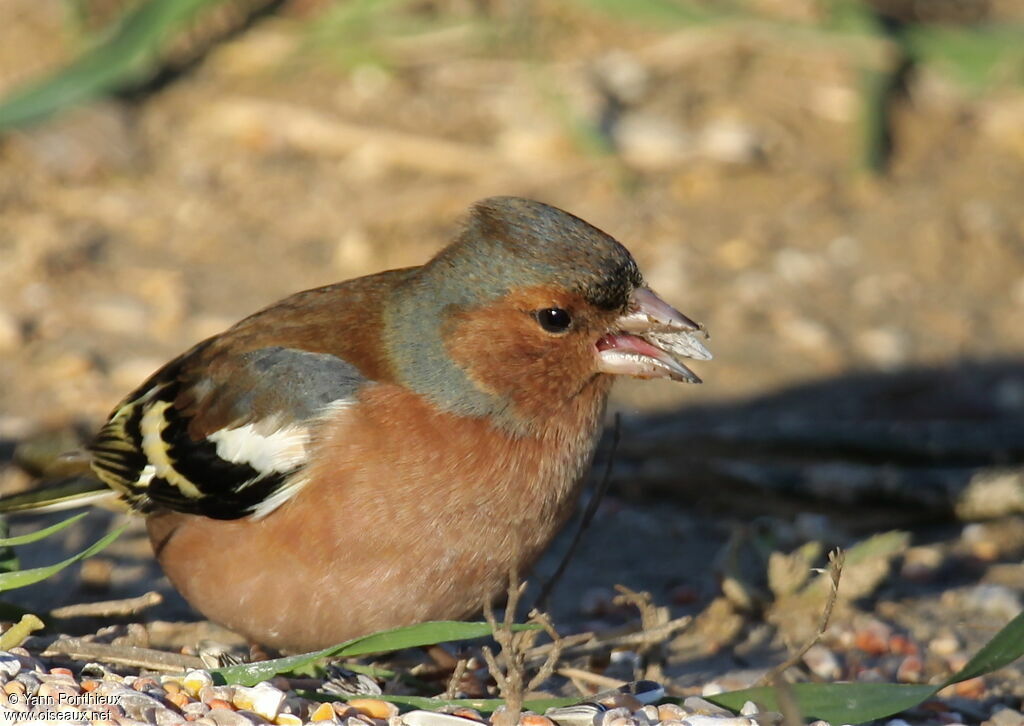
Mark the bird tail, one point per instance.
(58, 495)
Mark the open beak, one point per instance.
(649, 339)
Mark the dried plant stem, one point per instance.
(652, 618)
(458, 673)
(591, 642)
(515, 648)
(836, 558)
(108, 608)
(122, 655)
(595, 679)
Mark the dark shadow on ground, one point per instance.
(904, 445)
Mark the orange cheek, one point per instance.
(507, 355)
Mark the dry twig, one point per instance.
(591, 642)
(129, 655)
(515, 647)
(836, 558)
(455, 682)
(578, 675)
(652, 618)
(108, 608)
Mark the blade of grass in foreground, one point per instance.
(40, 533)
(860, 702)
(23, 578)
(413, 636)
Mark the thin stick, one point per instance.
(583, 643)
(578, 674)
(555, 653)
(512, 682)
(836, 558)
(458, 673)
(108, 608)
(129, 655)
(588, 516)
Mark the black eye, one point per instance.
(554, 320)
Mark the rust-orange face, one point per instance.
(544, 345)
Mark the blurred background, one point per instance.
(832, 186)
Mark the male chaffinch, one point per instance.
(383, 451)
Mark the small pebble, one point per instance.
(1005, 717)
(167, 717)
(195, 709)
(671, 712)
(902, 645)
(179, 698)
(873, 638)
(972, 688)
(467, 713)
(702, 707)
(433, 718)
(220, 693)
(712, 688)
(196, 680)
(822, 662)
(614, 715)
(323, 712)
(650, 712)
(138, 705)
(910, 670)
(374, 708)
(10, 665)
(997, 601)
(532, 719)
(230, 717)
(945, 644)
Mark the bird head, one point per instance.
(532, 306)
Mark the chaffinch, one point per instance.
(384, 451)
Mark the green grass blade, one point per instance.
(1006, 647)
(41, 533)
(859, 702)
(413, 636)
(484, 705)
(835, 702)
(8, 557)
(123, 57)
(23, 578)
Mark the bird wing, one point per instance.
(222, 434)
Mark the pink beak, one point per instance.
(649, 339)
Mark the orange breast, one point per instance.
(408, 514)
